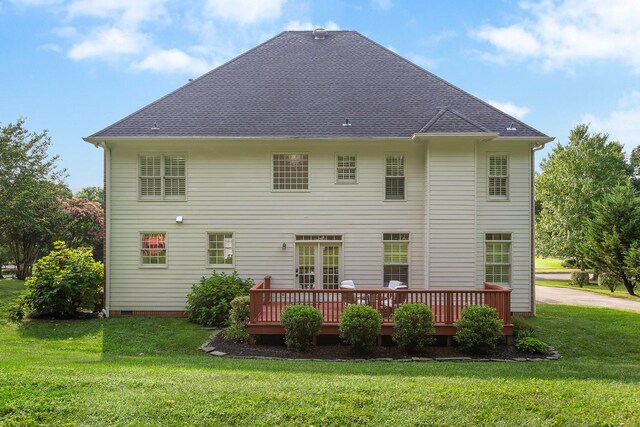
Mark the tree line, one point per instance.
(588, 205)
(37, 208)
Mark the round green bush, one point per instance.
(64, 281)
(478, 329)
(240, 310)
(359, 326)
(579, 278)
(301, 323)
(236, 333)
(606, 280)
(209, 301)
(413, 327)
(531, 345)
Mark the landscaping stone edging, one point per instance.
(208, 348)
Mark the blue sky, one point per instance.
(76, 66)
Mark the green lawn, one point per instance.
(147, 372)
(552, 265)
(620, 292)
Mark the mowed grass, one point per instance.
(131, 371)
(621, 291)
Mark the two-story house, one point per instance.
(317, 157)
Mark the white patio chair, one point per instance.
(351, 298)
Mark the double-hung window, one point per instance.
(394, 183)
(162, 177)
(498, 177)
(220, 249)
(291, 172)
(346, 169)
(153, 249)
(498, 258)
(396, 257)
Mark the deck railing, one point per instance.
(267, 304)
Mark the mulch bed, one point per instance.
(329, 348)
(78, 315)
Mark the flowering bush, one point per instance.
(84, 225)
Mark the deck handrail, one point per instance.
(266, 303)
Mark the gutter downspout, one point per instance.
(107, 224)
(536, 147)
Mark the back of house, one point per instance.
(314, 158)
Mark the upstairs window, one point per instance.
(498, 258)
(346, 169)
(394, 185)
(396, 257)
(498, 183)
(162, 177)
(153, 248)
(291, 172)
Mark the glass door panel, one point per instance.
(306, 266)
(330, 267)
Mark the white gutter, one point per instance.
(537, 146)
(107, 224)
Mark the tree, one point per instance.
(95, 194)
(612, 236)
(83, 225)
(573, 178)
(30, 187)
(4, 257)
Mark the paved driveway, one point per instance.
(547, 295)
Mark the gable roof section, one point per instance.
(296, 86)
(450, 121)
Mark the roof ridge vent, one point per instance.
(319, 33)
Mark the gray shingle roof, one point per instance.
(296, 86)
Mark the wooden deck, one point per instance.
(268, 303)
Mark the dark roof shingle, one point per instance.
(296, 86)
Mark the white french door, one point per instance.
(318, 265)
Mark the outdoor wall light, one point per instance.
(284, 246)
(179, 219)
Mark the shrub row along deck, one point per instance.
(267, 304)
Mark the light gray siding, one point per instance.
(229, 189)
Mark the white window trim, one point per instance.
(338, 181)
(233, 248)
(319, 244)
(308, 190)
(499, 198)
(484, 254)
(166, 250)
(162, 197)
(384, 178)
(408, 242)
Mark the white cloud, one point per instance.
(565, 33)
(245, 11)
(109, 42)
(383, 4)
(128, 12)
(296, 25)
(510, 108)
(172, 61)
(623, 125)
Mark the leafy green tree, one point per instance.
(573, 179)
(4, 258)
(94, 194)
(612, 238)
(30, 187)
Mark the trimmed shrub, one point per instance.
(240, 310)
(301, 323)
(579, 278)
(521, 327)
(359, 326)
(606, 280)
(478, 329)
(64, 282)
(531, 345)
(236, 333)
(209, 301)
(238, 319)
(569, 263)
(414, 327)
